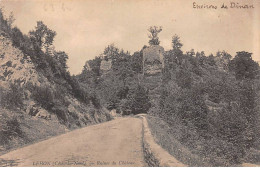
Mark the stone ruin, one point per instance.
(106, 64)
(153, 60)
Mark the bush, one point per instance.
(12, 98)
(140, 102)
(44, 96)
(10, 128)
(61, 113)
(228, 125)
(221, 134)
(244, 66)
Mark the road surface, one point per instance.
(114, 143)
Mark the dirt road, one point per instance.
(114, 143)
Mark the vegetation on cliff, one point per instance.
(37, 90)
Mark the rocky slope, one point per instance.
(15, 66)
(22, 84)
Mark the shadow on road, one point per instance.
(8, 163)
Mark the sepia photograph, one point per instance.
(129, 83)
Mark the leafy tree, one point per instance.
(184, 78)
(111, 52)
(17, 37)
(10, 20)
(125, 106)
(13, 97)
(44, 96)
(176, 43)
(224, 55)
(140, 102)
(176, 55)
(244, 66)
(42, 36)
(5, 25)
(154, 31)
(95, 65)
(137, 62)
(191, 53)
(62, 58)
(248, 104)
(223, 58)
(123, 68)
(211, 60)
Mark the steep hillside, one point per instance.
(15, 66)
(38, 97)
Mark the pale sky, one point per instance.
(85, 27)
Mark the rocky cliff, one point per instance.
(31, 103)
(153, 60)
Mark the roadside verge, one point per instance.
(154, 154)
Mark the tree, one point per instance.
(191, 53)
(13, 97)
(17, 37)
(62, 58)
(10, 20)
(42, 36)
(137, 62)
(95, 65)
(4, 26)
(223, 58)
(154, 31)
(176, 54)
(111, 52)
(140, 102)
(244, 66)
(176, 43)
(91, 71)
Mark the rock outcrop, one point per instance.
(17, 68)
(106, 65)
(14, 65)
(153, 60)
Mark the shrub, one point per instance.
(140, 102)
(184, 78)
(244, 66)
(44, 96)
(13, 97)
(95, 100)
(61, 113)
(10, 128)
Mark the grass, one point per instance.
(163, 136)
(19, 129)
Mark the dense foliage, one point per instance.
(210, 102)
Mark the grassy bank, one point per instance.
(18, 130)
(162, 134)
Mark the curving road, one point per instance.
(113, 143)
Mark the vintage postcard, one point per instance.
(129, 83)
